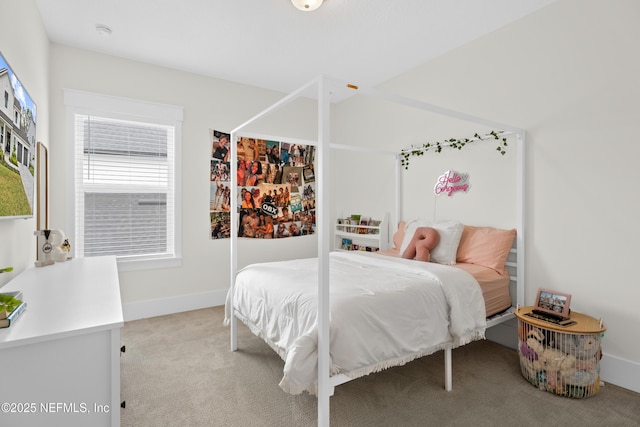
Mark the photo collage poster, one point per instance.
(276, 188)
(220, 185)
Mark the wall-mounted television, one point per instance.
(18, 146)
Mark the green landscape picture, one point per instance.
(17, 146)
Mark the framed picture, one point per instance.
(17, 146)
(42, 178)
(553, 302)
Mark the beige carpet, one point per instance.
(178, 371)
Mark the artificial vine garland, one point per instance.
(453, 143)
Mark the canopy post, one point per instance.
(324, 247)
(233, 251)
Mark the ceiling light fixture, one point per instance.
(103, 30)
(307, 5)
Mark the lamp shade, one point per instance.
(307, 5)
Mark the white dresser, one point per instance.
(60, 360)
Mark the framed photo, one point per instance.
(553, 302)
(42, 179)
(18, 150)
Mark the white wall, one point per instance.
(203, 278)
(25, 47)
(568, 75)
(390, 126)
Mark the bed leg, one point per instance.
(447, 369)
(234, 333)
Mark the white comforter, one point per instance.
(384, 312)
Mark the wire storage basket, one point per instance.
(565, 363)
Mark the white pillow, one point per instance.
(446, 249)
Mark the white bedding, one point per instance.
(384, 312)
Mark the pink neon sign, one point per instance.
(452, 182)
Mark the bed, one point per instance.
(385, 310)
(322, 89)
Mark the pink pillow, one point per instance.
(398, 236)
(486, 246)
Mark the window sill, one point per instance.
(148, 264)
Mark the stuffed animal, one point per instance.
(590, 364)
(57, 238)
(581, 346)
(533, 345)
(530, 346)
(422, 243)
(66, 246)
(558, 366)
(582, 378)
(527, 352)
(53, 247)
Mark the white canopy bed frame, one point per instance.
(324, 87)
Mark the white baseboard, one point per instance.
(621, 372)
(164, 306)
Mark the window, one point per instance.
(125, 157)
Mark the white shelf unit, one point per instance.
(376, 236)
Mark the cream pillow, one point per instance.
(450, 233)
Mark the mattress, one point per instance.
(494, 286)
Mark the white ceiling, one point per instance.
(272, 45)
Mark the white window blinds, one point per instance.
(124, 188)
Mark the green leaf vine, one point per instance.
(459, 144)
